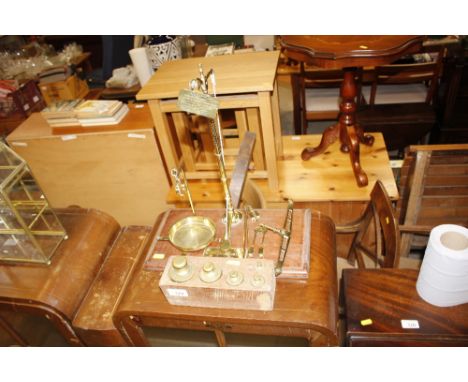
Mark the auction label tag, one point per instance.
(198, 103)
(158, 256)
(177, 292)
(68, 137)
(410, 324)
(138, 136)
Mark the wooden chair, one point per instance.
(433, 189)
(386, 241)
(404, 83)
(382, 249)
(401, 102)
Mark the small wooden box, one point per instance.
(254, 287)
(72, 88)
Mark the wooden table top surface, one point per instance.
(235, 74)
(326, 177)
(350, 50)
(138, 117)
(387, 296)
(63, 284)
(329, 176)
(310, 303)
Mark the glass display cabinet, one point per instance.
(29, 229)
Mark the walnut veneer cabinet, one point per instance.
(55, 292)
(303, 308)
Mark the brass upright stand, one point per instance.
(201, 103)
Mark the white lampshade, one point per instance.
(142, 65)
(443, 278)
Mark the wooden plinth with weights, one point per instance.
(219, 282)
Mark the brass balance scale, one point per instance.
(196, 232)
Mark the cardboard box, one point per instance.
(71, 88)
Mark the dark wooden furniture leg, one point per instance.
(349, 132)
(329, 136)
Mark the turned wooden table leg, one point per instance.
(347, 108)
(352, 142)
(352, 134)
(348, 93)
(365, 139)
(349, 132)
(329, 136)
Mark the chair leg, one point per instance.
(360, 260)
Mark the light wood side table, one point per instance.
(246, 84)
(116, 169)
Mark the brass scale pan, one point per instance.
(192, 233)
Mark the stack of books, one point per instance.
(54, 74)
(85, 113)
(61, 113)
(96, 113)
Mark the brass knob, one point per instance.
(210, 273)
(235, 278)
(180, 269)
